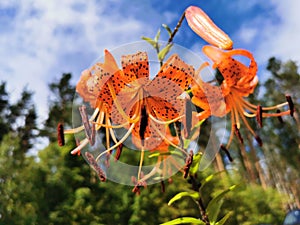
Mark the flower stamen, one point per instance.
(60, 134)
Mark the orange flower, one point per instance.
(98, 85)
(146, 107)
(128, 99)
(239, 81)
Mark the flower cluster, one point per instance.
(158, 115)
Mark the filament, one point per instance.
(80, 146)
(165, 122)
(141, 162)
(118, 143)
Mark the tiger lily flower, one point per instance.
(147, 106)
(239, 82)
(128, 99)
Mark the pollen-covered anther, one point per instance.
(162, 185)
(93, 135)
(118, 152)
(138, 185)
(101, 174)
(238, 134)
(279, 117)
(258, 140)
(90, 132)
(291, 104)
(136, 190)
(188, 163)
(60, 134)
(259, 115)
(225, 150)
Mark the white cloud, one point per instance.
(284, 40)
(43, 39)
(273, 33)
(281, 38)
(247, 34)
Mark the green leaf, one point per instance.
(195, 165)
(195, 128)
(156, 38)
(156, 154)
(184, 220)
(170, 152)
(194, 195)
(168, 29)
(209, 178)
(224, 219)
(150, 41)
(215, 204)
(162, 54)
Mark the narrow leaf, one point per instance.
(215, 204)
(195, 165)
(184, 220)
(170, 152)
(194, 195)
(224, 219)
(150, 41)
(162, 54)
(168, 29)
(156, 38)
(158, 154)
(209, 178)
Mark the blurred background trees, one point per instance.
(55, 187)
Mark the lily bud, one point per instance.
(202, 25)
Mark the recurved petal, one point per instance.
(209, 97)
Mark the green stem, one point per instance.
(204, 216)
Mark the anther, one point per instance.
(60, 134)
(258, 140)
(279, 117)
(259, 115)
(89, 132)
(118, 152)
(95, 166)
(136, 190)
(162, 184)
(93, 135)
(223, 148)
(137, 185)
(238, 134)
(188, 163)
(291, 104)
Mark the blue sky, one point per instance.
(40, 40)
